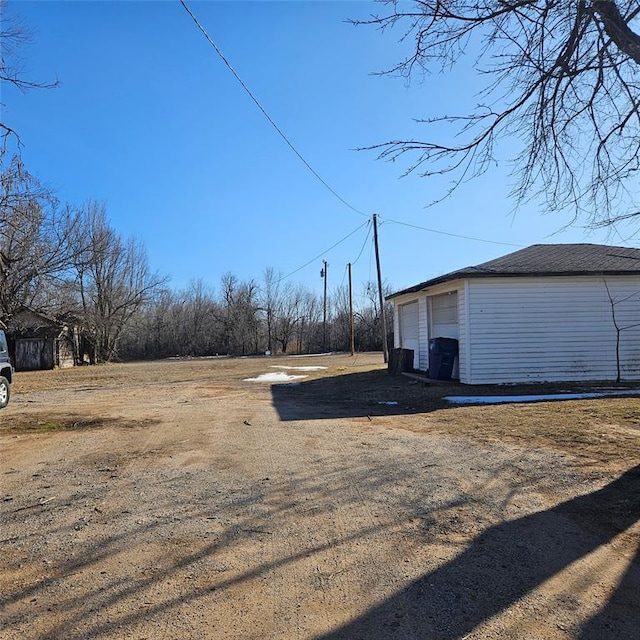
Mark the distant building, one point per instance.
(38, 342)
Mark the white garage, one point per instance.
(558, 312)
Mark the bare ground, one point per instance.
(175, 500)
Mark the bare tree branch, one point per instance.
(563, 77)
(13, 36)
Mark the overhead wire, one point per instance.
(264, 112)
(346, 268)
(312, 170)
(345, 271)
(370, 261)
(446, 233)
(364, 244)
(333, 246)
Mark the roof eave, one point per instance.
(463, 275)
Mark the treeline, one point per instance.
(68, 263)
(249, 317)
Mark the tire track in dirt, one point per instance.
(214, 518)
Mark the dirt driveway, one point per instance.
(177, 500)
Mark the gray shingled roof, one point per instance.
(547, 260)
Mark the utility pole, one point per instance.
(351, 332)
(323, 274)
(385, 351)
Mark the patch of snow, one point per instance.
(274, 377)
(281, 366)
(311, 355)
(539, 398)
(216, 357)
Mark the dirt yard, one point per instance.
(175, 500)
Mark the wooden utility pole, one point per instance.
(323, 274)
(351, 332)
(385, 351)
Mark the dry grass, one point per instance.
(175, 371)
(599, 432)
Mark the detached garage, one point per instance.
(37, 342)
(561, 312)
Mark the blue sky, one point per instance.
(148, 119)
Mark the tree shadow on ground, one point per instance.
(225, 521)
(509, 561)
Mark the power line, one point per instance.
(364, 244)
(306, 264)
(344, 275)
(264, 112)
(304, 161)
(370, 261)
(453, 235)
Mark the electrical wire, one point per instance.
(304, 161)
(264, 112)
(344, 275)
(333, 246)
(370, 260)
(453, 235)
(364, 244)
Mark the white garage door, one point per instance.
(444, 316)
(408, 316)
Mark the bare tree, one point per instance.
(150, 333)
(247, 318)
(114, 281)
(159, 330)
(309, 329)
(368, 319)
(289, 314)
(341, 318)
(269, 301)
(36, 239)
(228, 286)
(563, 76)
(13, 36)
(200, 324)
(241, 315)
(176, 323)
(622, 318)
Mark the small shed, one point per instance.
(38, 342)
(557, 312)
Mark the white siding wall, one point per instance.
(551, 329)
(396, 327)
(423, 329)
(463, 331)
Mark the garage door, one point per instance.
(408, 315)
(444, 316)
